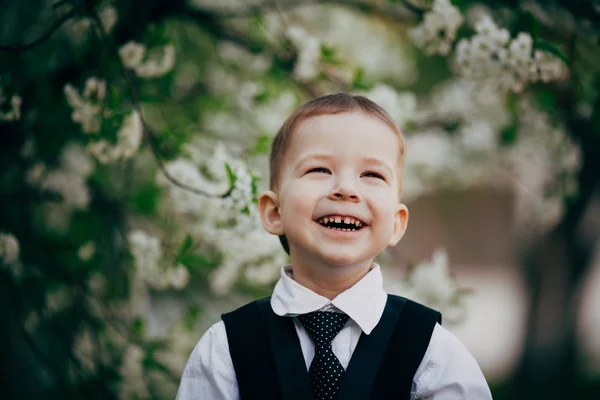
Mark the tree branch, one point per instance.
(147, 132)
(407, 12)
(45, 36)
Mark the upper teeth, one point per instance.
(339, 220)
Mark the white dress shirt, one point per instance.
(447, 371)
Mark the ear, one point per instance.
(400, 223)
(268, 208)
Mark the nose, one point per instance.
(345, 190)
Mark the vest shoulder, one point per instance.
(248, 308)
(417, 307)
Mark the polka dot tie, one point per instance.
(325, 372)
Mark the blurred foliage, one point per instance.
(79, 317)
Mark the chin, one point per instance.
(340, 260)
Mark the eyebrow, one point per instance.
(325, 157)
(373, 160)
(311, 157)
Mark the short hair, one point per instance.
(337, 103)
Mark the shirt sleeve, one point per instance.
(209, 372)
(448, 371)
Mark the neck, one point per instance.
(328, 280)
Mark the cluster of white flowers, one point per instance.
(309, 53)
(9, 248)
(129, 138)
(266, 116)
(400, 106)
(437, 32)
(148, 258)
(134, 385)
(58, 299)
(234, 54)
(14, 113)
(468, 100)
(254, 254)
(509, 64)
(158, 63)
(88, 107)
(430, 283)
(545, 162)
(69, 179)
(241, 199)
(85, 351)
(184, 201)
(87, 251)
(108, 18)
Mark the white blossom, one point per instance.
(87, 108)
(178, 276)
(69, 180)
(147, 253)
(87, 251)
(509, 64)
(541, 158)
(241, 198)
(149, 263)
(239, 56)
(108, 18)
(9, 248)
(129, 138)
(134, 384)
(400, 106)
(185, 201)
(431, 152)
(58, 299)
(132, 54)
(14, 113)
(478, 136)
(309, 53)
(255, 254)
(270, 115)
(155, 67)
(437, 32)
(430, 283)
(85, 351)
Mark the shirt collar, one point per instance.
(364, 302)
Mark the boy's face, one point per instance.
(339, 167)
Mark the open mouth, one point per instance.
(341, 223)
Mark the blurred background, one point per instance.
(135, 138)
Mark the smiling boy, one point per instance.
(329, 330)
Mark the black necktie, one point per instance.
(325, 372)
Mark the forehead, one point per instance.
(350, 132)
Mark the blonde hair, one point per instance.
(326, 105)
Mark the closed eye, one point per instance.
(320, 170)
(371, 174)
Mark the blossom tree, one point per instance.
(136, 137)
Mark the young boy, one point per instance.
(329, 331)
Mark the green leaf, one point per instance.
(509, 134)
(144, 200)
(263, 144)
(328, 55)
(137, 328)
(230, 174)
(553, 49)
(185, 246)
(546, 99)
(358, 80)
(531, 24)
(191, 317)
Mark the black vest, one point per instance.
(269, 364)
